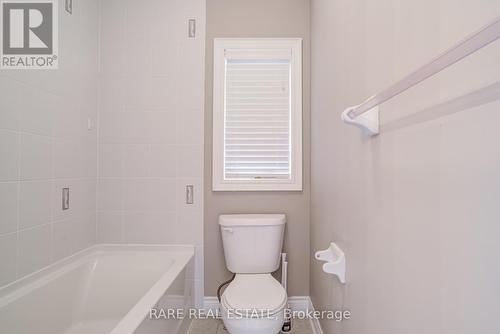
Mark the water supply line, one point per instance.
(222, 285)
(287, 325)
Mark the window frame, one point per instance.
(252, 44)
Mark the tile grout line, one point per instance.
(18, 213)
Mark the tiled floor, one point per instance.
(213, 326)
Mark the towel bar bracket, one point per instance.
(368, 121)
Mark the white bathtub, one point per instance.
(103, 289)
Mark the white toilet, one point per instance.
(254, 302)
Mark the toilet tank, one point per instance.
(252, 243)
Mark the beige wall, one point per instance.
(257, 18)
(416, 208)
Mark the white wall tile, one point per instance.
(188, 229)
(110, 160)
(86, 230)
(112, 94)
(111, 127)
(189, 161)
(9, 153)
(137, 30)
(109, 226)
(191, 8)
(89, 156)
(34, 203)
(163, 128)
(9, 117)
(64, 243)
(190, 127)
(72, 235)
(136, 127)
(163, 194)
(169, 222)
(109, 194)
(8, 250)
(138, 93)
(190, 86)
(8, 207)
(138, 58)
(163, 161)
(165, 56)
(35, 157)
(36, 112)
(88, 198)
(147, 109)
(135, 160)
(199, 275)
(67, 158)
(136, 194)
(67, 118)
(163, 93)
(44, 146)
(112, 43)
(151, 106)
(34, 249)
(198, 263)
(148, 227)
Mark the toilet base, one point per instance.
(241, 325)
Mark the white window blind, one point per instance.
(257, 114)
(257, 143)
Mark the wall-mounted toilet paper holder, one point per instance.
(335, 261)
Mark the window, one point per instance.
(257, 108)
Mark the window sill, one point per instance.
(233, 186)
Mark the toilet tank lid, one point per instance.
(252, 220)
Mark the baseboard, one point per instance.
(299, 303)
(315, 324)
(210, 304)
(296, 303)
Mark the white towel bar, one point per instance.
(365, 115)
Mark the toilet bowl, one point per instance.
(254, 304)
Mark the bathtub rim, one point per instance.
(133, 319)
(139, 311)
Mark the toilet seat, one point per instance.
(260, 292)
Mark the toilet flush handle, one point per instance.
(227, 229)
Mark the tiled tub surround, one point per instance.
(45, 145)
(151, 124)
(143, 96)
(74, 287)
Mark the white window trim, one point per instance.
(218, 182)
